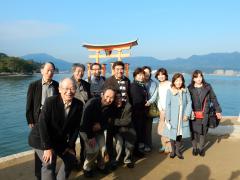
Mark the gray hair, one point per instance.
(75, 65)
(64, 79)
(48, 62)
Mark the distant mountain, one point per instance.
(207, 63)
(62, 65)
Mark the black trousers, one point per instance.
(198, 140)
(176, 145)
(82, 151)
(38, 166)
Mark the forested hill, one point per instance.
(10, 65)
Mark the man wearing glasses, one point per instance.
(57, 131)
(37, 93)
(96, 81)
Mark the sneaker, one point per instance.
(127, 161)
(147, 149)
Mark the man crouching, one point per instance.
(95, 117)
(123, 131)
(57, 131)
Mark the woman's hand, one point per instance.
(219, 115)
(185, 118)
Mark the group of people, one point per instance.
(110, 115)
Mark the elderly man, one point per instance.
(83, 94)
(57, 130)
(96, 115)
(38, 91)
(83, 87)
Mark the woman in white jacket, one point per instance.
(159, 97)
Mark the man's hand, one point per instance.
(147, 104)
(70, 151)
(31, 125)
(47, 156)
(96, 127)
(92, 142)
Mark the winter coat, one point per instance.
(173, 111)
(201, 125)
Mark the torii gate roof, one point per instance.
(100, 47)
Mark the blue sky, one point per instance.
(165, 29)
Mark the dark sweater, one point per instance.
(94, 113)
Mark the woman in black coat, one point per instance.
(138, 93)
(203, 97)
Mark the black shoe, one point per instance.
(130, 165)
(180, 156)
(113, 165)
(139, 154)
(172, 155)
(78, 166)
(103, 171)
(195, 152)
(202, 152)
(88, 174)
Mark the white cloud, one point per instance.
(29, 29)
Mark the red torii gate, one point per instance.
(109, 49)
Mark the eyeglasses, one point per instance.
(69, 89)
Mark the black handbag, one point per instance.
(213, 121)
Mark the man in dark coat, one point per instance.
(56, 132)
(122, 84)
(124, 133)
(118, 81)
(38, 91)
(96, 114)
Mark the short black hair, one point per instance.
(93, 64)
(147, 67)
(109, 88)
(118, 63)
